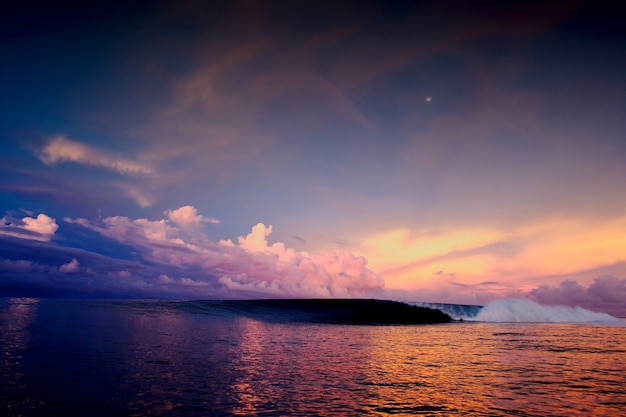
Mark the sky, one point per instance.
(441, 151)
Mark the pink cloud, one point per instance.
(138, 231)
(43, 224)
(41, 228)
(251, 267)
(60, 149)
(72, 266)
(187, 216)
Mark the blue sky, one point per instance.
(412, 150)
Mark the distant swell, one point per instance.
(526, 311)
(375, 312)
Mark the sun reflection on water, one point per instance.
(15, 317)
(147, 359)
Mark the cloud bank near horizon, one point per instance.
(193, 265)
(166, 258)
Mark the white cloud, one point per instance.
(59, 149)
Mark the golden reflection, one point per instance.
(161, 358)
(557, 371)
(254, 367)
(294, 367)
(249, 365)
(421, 369)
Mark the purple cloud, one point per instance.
(605, 294)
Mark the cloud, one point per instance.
(41, 228)
(18, 266)
(138, 194)
(43, 224)
(59, 149)
(188, 216)
(276, 270)
(40, 269)
(518, 258)
(72, 266)
(248, 268)
(256, 240)
(605, 294)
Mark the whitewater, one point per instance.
(524, 311)
(223, 358)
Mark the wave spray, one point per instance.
(526, 311)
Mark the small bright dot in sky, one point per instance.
(428, 99)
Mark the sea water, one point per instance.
(152, 358)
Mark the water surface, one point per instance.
(153, 358)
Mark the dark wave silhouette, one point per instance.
(336, 311)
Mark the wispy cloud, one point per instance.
(60, 149)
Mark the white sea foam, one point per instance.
(526, 311)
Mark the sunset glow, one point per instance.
(421, 151)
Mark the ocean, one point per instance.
(219, 358)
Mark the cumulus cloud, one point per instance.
(187, 216)
(605, 294)
(249, 267)
(256, 240)
(40, 228)
(60, 149)
(43, 224)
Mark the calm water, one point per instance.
(164, 358)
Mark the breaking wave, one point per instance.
(456, 311)
(526, 311)
(362, 311)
